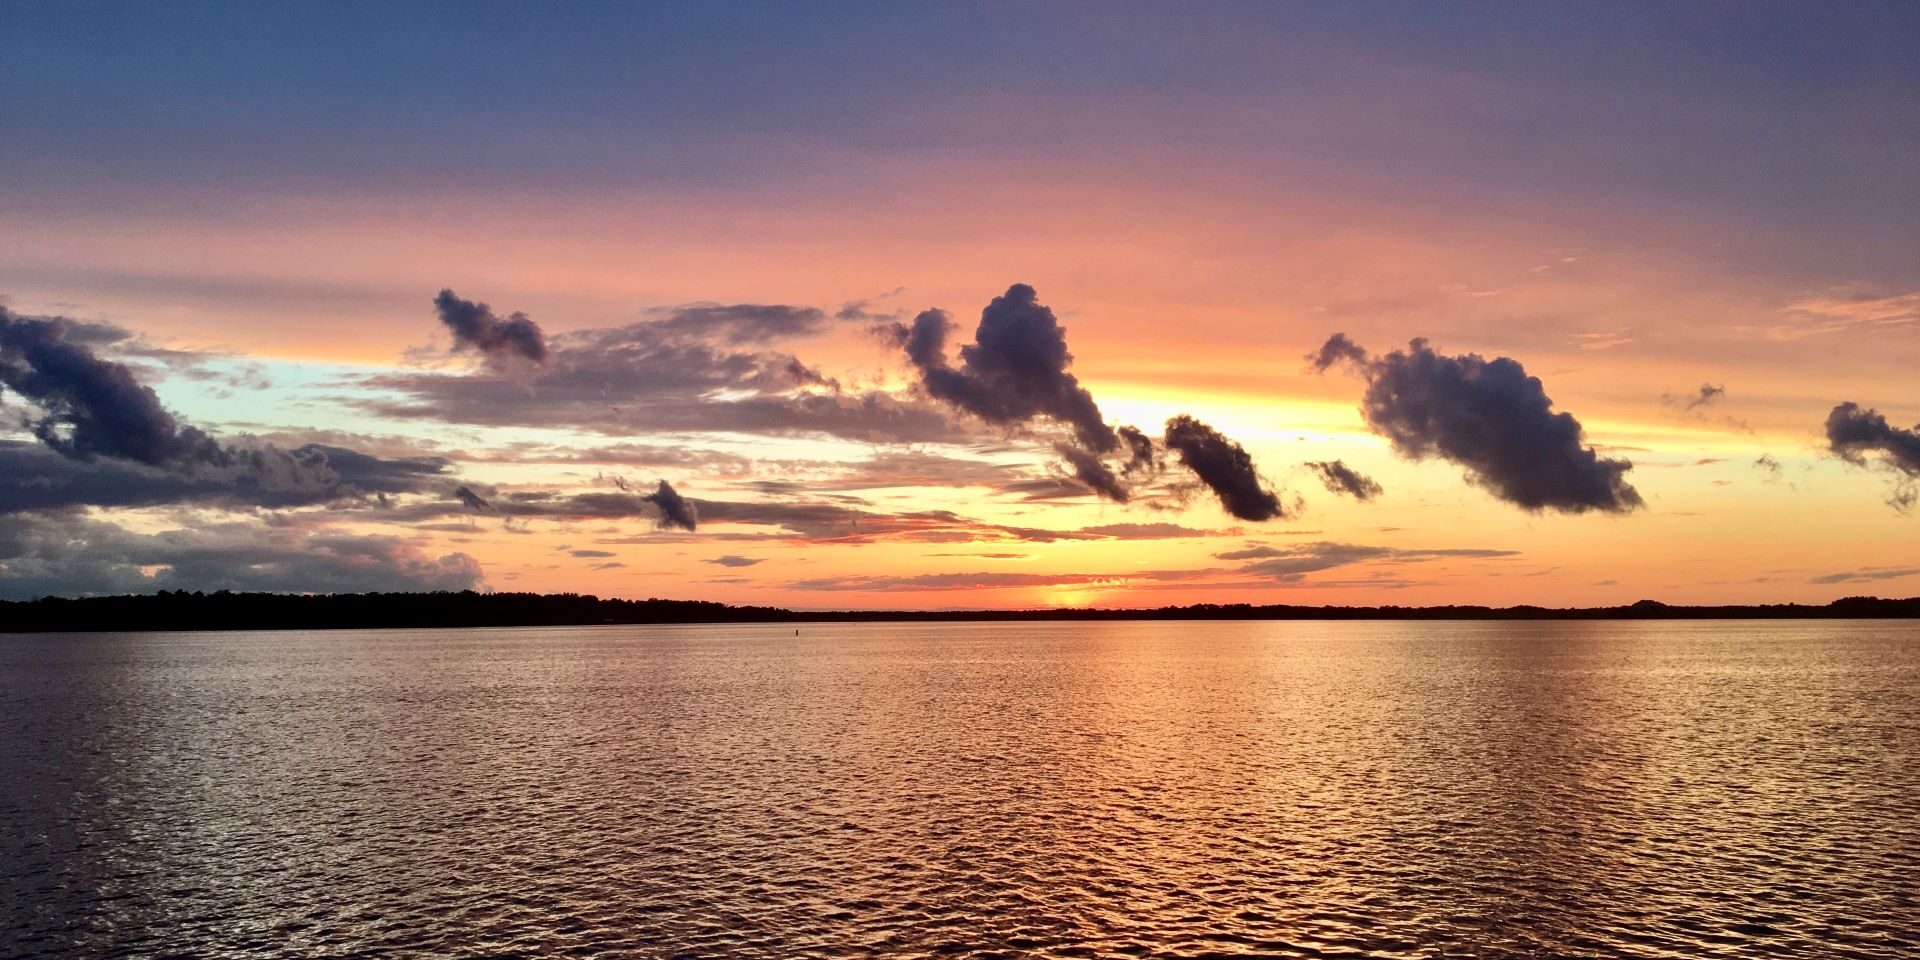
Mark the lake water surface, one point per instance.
(1642, 789)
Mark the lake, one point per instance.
(1381, 789)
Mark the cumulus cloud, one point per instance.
(1340, 478)
(1862, 436)
(1855, 432)
(1225, 467)
(676, 512)
(512, 345)
(1015, 372)
(1490, 417)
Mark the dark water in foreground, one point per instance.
(1142, 789)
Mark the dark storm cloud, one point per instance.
(1341, 478)
(1490, 417)
(74, 556)
(1225, 467)
(509, 345)
(675, 511)
(1862, 436)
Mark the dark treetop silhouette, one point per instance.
(179, 610)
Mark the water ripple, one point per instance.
(968, 790)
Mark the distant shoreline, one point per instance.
(181, 611)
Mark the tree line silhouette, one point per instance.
(180, 610)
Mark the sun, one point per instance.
(1070, 596)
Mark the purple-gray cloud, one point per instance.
(1015, 372)
(1861, 436)
(1291, 563)
(676, 512)
(1490, 417)
(1225, 467)
(1340, 478)
(510, 345)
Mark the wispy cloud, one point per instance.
(1834, 313)
(1292, 562)
(1867, 575)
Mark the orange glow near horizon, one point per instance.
(1699, 296)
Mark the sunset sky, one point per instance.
(226, 359)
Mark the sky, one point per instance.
(929, 306)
